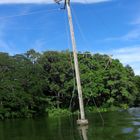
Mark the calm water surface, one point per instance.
(118, 126)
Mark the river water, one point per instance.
(123, 125)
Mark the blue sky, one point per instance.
(101, 26)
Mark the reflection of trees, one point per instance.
(135, 120)
(118, 126)
(134, 112)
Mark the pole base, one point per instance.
(82, 122)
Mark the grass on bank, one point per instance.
(66, 112)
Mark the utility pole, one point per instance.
(82, 120)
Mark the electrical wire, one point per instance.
(30, 13)
(79, 27)
(84, 38)
(98, 111)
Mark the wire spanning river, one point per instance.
(123, 125)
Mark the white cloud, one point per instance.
(133, 34)
(136, 21)
(89, 1)
(2, 27)
(3, 45)
(6, 47)
(137, 71)
(38, 45)
(128, 55)
(130, 36)
(25, 10)
(48, 1)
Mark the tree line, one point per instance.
(32, 83)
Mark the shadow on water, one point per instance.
(123, 125)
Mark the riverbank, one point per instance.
(66, 112)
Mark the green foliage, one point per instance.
(137, 82)
(59, 112)
(101, 109)
(32, 83)
(21, 87)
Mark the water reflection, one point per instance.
(133, 120)
(135, 112)
(127, 130)
(83, 132)
(118, 126)
(138, 134)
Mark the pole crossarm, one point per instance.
(65, 2)
(57, 1)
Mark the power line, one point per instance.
(98, 111)
(30, 13)
(79, 27)
(84, 38)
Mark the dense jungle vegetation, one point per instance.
(33, 83)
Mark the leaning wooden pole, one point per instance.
(82, 120)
